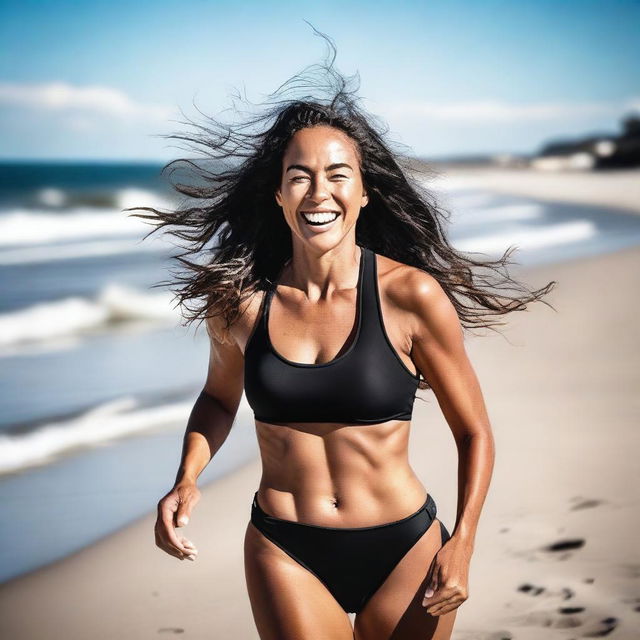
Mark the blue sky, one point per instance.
(104, 79)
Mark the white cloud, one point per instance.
(90, 100)
(497, 111)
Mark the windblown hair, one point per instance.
(233, 225)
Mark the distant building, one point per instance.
(602, 151)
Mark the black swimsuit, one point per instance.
(367, 384)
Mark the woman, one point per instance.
(331, 297)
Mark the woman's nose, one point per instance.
(319, 190)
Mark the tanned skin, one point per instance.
(330, 474)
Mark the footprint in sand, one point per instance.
(562, 549)
(585, 503)
(585, 624)
(171, 630)
(600, 628)
(571, 609)
(550, 619)
(634, 602)
(559, 550)
(533, 590)
(569, 544)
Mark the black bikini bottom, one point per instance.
(351, 562)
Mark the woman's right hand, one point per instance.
(174, 510)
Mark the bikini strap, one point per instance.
(371, 327)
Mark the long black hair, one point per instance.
(237, 237)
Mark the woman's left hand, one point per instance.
(448, 578)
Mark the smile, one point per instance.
(319, 218)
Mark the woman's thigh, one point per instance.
(395, 610)
(288, 602)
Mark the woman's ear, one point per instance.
(365, 199)
(278, 198)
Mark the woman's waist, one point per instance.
(356, 503)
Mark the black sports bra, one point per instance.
(368, 383)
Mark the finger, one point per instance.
(183, 514)
(169, 531)
(443, 611)
(431, 592)
(442, 595)
(432, 582)
(436, 609)
(437, 583)
(182, 521)
(189, 545)
(446, 608)
(165, 546)
(168, 549)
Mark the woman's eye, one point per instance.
(298, 178)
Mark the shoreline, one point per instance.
(615, 189)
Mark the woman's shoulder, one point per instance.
(406, 283)
(410, 289)
(241, 327)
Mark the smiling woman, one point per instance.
(331, 295)
(319, 186)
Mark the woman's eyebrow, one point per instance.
(335, 165)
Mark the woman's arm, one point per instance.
(208, 427)
(215, 409)
(439, 353)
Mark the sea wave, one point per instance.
(83, 249)
(467, 217)
(22, 226)
(75, 317)
(115, 419)
(528, 237)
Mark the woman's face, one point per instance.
(321, 173)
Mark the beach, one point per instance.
(619, 189)
(555, 554)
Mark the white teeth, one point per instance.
(320, 217)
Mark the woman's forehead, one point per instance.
(320, 144)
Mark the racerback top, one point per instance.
(368, 383)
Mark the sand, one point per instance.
(618, 189)
(562, 394)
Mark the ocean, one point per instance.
(97, 373)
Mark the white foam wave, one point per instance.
(106, 422)
(73, 317)
(20, 226)
(498, 214)
(52, 197)
(135, 197)
(51, 253)
(25, 227)
(528, 237)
